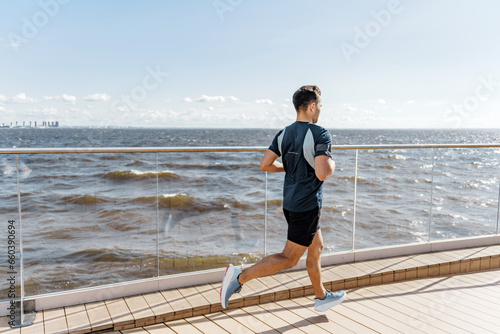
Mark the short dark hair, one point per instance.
(305, 95)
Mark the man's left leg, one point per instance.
(313, 265)
(324, 299)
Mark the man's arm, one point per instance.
(324, 166)
(269, 163)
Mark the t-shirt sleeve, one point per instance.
(274, 145)
(323, 144)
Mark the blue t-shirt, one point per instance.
(297, 145)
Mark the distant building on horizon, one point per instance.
(25, 124)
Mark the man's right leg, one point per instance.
(234, 277)
(274, 263)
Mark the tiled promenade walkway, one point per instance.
(464, 303)
(443, 292)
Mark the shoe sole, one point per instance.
(326, 307)
(225, 283)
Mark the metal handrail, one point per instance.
(130, 149)
(224, 148)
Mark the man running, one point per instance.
(304, 148)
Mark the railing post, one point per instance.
(498, 208)
(25, 320)
(432, 190)
(265, 219)
(157, 221)
(355, 201)
(21, 273)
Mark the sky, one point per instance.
(237, 63)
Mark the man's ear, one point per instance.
(312, 105)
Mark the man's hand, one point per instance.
(269, 163)
(324, 167)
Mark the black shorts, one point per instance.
(302, 226)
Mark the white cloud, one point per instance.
(264, 101)
(349, 107)
(211, 108)
(156, 115)
(64, 97)
(22, 98)
(3, 98)
(206, 98)
(68, 98)
(122, 107)
(410, 101)
(437, 103)
(2, 108)
(44, 111)
(368, 112)
(346, 119)
(97, 97)
(381, 101)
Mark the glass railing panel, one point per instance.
(465, 193)
(338, 204)
(211, 210)
(393, 197)
(94, 219)
(276, 223)
(85, 223)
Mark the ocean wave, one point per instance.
(254, 179)
(184, 202)
(102, 255)
(111, 156)
(215, 166)
(58, 235)
(85, 199)
(180, 201)
(390, 196)
(140, 175)
(388, 166)
(476, 184)
(396, 157)
(275, 202)
(137, 163)
(335, 209)
(59, 176)
(361, 180)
